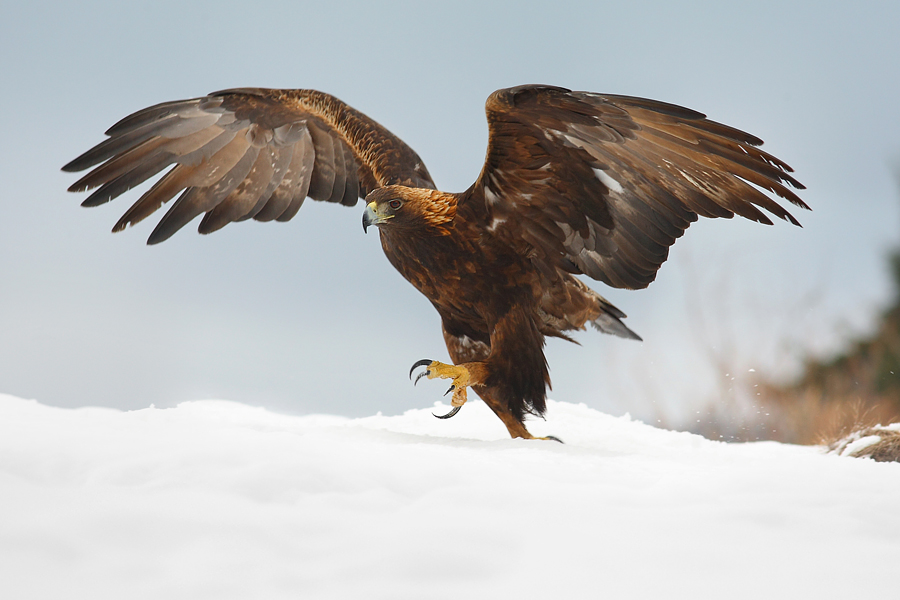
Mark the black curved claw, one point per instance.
(420, 363)
(554, 438)
(452, 387)
(452, 412)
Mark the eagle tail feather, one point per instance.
(611, 324)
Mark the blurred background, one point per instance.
(309, 317)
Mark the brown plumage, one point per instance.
(573, 183)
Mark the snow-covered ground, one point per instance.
(214, 499)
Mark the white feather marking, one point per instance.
(490, 196)
(469, 349)
(575, 141)
(609, 182)
(495, 223)
(465, 342)
(698, 184)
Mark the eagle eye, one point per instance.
(395, 204)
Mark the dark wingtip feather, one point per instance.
(148, 115)
(179, 215)
(77, 164)
(213, 221)
(160, 234)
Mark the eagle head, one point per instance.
(404, 208)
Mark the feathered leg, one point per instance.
(515, 427)
(523, 370)
(463, 376)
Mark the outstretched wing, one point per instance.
(244, 153)
(603, 185)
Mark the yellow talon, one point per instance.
(459, 375)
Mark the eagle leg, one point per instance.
(472, 374)
(459, 374)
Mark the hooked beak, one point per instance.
(370, 217)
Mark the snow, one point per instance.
(861, 444)
(214, 499)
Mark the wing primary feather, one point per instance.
(192, 148)
(110, 147)
(161, 111)
(162, 191)
(171, 221)
(227, 168)
(118, 165)
(658, 169)
(193, 170)
(129, 179)
(764, 169)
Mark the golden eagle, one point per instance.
(573, 183)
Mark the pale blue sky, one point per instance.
(308, 316)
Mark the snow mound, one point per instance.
(214, 499)
(881, 443)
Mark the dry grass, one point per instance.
(879, 443)
(808, 415)
(833, 400)
(811, 415)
